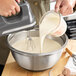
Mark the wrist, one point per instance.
(75, 2)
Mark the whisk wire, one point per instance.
(30, 42)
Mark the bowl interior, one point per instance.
(13, 38)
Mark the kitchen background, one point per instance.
(4, 50)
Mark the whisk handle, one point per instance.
(70, 53)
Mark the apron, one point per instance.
(39, 7)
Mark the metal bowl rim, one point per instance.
(36, 54)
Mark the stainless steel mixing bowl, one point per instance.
(33, 61)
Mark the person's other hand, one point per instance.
(65, 72)
(9, 7)
(65, 7)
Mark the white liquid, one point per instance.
(48, 46)
(48, 24)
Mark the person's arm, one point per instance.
(9, 7)
(65, 7)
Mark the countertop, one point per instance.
(13, 69)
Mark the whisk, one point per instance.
(72, 55)
(30, 43)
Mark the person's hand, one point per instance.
(65, 7)
(65, 72)
(9, 7)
